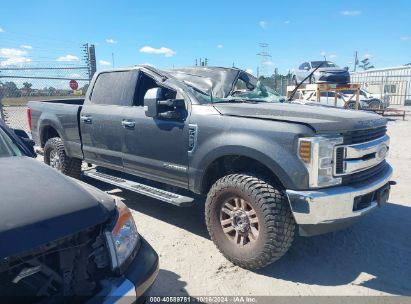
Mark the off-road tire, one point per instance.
(276, 222)
(68, 165)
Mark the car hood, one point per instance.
(320, 119)
(39, 205)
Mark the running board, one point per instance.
(162, 195)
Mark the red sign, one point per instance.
(73, 84)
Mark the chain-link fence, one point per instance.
(18, 85)
(277, 82)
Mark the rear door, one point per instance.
(101, 118)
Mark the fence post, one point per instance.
(1, 104)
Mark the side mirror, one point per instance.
(21, 133)
(306, 68)
(151, 100)
(157, 107)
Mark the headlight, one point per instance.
(317, 153)
(123, 238)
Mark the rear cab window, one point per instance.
(114, 88)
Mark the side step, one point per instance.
(162, 195)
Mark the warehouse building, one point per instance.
(393, 83)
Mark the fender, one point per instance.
(273, 154)
(48, 120)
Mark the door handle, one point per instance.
(128, 124)
(87, 119)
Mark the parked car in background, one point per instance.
(372, 100)
(63, 238)
(328, 72)
(327, 98)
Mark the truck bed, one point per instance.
(59, 117)
(70, 101)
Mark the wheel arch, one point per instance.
(47, 131)
(253, 162)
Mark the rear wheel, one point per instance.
(374, 104)
(55, 156)
(249, 220)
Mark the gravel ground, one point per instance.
(372, 257)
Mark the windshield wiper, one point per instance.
(239, 100)
(299, 85)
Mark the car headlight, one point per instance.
(122, 238)
(317, 153)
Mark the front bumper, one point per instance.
(333, 78)
(325, 210)
(138, 278)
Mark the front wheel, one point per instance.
(313, 80)
(352, 105)
(249, 220)
(55, 156)
(295, 82)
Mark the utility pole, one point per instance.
(112, 59)
(355, 61)
(265, 58)
(89, 56)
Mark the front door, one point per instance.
(155, 148)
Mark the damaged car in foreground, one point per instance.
(63, 238)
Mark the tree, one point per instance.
(52, 91)
(11, 89)
(27, 85)
(365, 64)
(84, 88)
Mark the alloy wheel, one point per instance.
(239, 221)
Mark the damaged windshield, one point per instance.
(247, 88)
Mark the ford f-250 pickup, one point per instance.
(62, 240)
(265, 166)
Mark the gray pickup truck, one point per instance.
(266, 167)
(62, 240)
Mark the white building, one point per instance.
(393, 83)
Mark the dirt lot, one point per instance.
(371, 258)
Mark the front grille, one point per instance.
(336, 78)
(365, 175)
(360, 136)
(339, 160)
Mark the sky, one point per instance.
(174, 33)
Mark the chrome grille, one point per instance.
(360, 136)
(365, 175)
(339, 160)
(354, 158)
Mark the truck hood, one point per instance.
(320, 119)
(39, 205)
